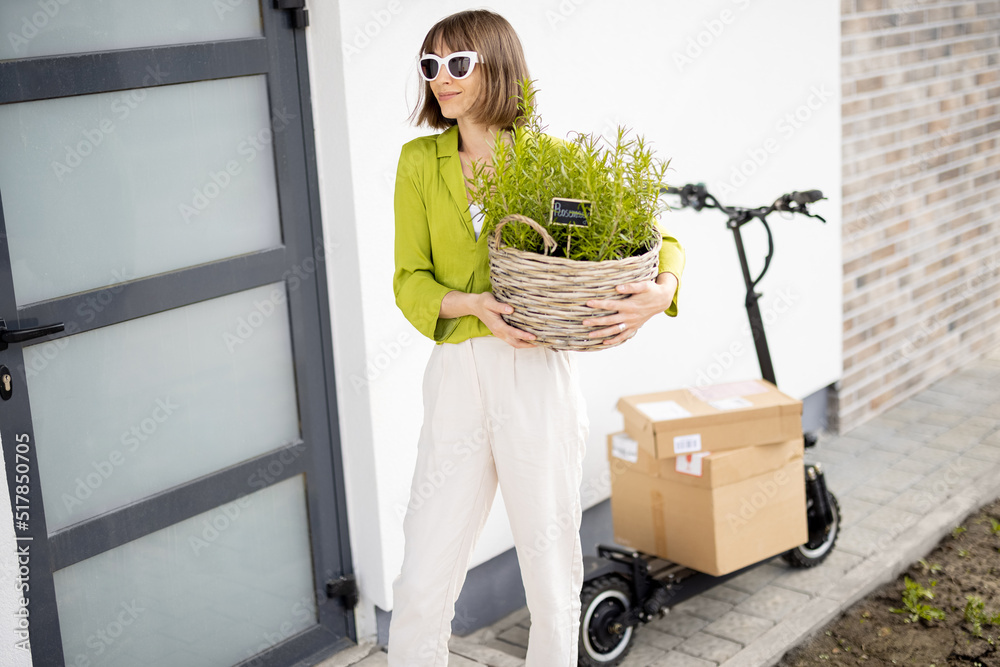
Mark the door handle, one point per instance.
(8, 336)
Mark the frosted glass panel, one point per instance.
(100, 189)
(125, 411)
(209, 591)
(35, 28)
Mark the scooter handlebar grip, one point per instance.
(807, 197)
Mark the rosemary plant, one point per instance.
(622, 181)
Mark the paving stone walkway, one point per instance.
(903, 479)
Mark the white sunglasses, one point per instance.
(460, 64)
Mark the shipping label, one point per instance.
(734, 403)
(624, 448)
(663, 410)
(686, 444)
(690, 464)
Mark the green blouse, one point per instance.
(436, 249)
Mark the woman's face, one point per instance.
(457, 97)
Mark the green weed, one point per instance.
(913, 595)
(957, 531)
(975, 614)
(929, 568)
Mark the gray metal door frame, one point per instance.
(299, 262)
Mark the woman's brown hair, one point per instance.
(501, 61)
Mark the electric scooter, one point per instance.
(624, 588)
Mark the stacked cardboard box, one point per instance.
(710, 477)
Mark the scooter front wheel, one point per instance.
(602, 642)
(812, 554)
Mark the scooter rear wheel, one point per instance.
(811, 555)
(602, 600)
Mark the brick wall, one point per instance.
(921, 192)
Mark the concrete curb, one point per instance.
(876, 570)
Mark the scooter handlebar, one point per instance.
(807, 197)
(796, 201)
(697, 197)
(693, 195)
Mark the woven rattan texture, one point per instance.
(550, 294)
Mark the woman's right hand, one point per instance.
(489, 310)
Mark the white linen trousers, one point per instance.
(494, 414)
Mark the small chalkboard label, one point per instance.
(570, 211)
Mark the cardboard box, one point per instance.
(725, 467)
(712, 418)
(747, 505)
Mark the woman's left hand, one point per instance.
(647, 298)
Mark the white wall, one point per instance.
(598, 63)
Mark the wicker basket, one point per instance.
(550, 294)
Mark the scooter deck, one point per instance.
(681, 582)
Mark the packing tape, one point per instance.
(659, 527)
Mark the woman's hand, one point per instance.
(647, 298)
(489, 310)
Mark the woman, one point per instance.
(497, 409)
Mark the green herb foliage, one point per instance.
(622, 181)
(929, 567)
(913, 595)
(976, 615)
